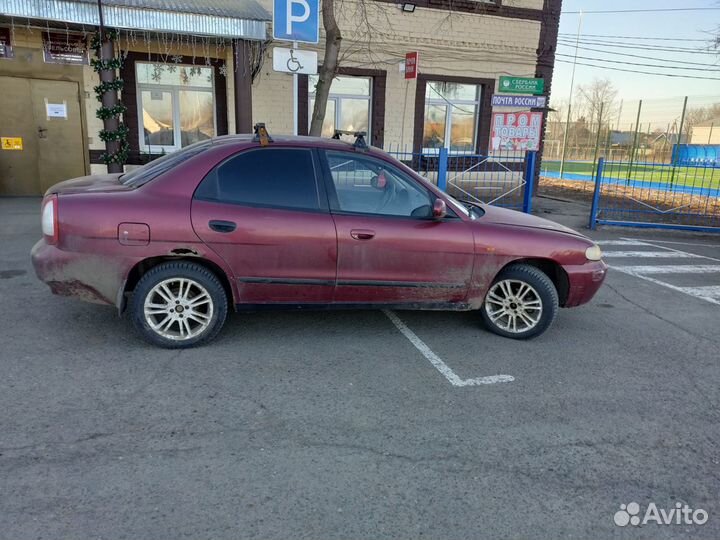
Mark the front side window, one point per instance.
(176, 105)
(451, 117)
(368, 186)
(348, 107)
(267, 177)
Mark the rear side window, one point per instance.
(155, 168)
(272, 177)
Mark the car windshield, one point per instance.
(155, 168)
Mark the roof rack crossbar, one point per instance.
(359, 143)
(261, 134)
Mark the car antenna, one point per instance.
(359, 143)
(261, 135)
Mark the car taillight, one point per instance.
(49, 220)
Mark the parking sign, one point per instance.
(296, 20)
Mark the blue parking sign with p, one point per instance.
(296, 20)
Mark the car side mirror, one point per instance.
(439, 210)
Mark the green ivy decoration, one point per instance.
(103, 113)
(110, 34)
(110, 64)
(120, 134)
(103, 87)
(119, 157)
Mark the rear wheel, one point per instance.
(521, 303)
(179, 305)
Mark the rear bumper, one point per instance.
(584, 281)
(79, 275)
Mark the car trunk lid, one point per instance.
(91, 183)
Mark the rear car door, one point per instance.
(265, 213)
(390, 249)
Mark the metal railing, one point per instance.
(656, 195)
(501, 179)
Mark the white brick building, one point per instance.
(182, 84)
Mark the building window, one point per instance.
(348, 107)
(176, 105)
(451, 117)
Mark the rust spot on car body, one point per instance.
(78, 290)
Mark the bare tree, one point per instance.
(598, 100)
(328, 70)
(697, 115)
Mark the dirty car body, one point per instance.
(299, 222)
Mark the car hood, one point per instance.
(503, 216)
(92, 183)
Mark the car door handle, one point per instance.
(362, 234)
(219, 225)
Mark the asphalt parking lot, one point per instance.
(340, 425)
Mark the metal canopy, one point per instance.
(225, 18)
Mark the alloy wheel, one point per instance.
(178, 309)
(514, 306)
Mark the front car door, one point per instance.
(265, 213)
(390, 249)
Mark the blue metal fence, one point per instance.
(656, 195)
(501, 179)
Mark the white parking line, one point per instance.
(641, 242)
(621, 243)
(437, 362)
(708, 293)
(674, 269)
(652, 254)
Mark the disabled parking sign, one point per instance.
(296, 20)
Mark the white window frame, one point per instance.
(337, 98)
(439, 100)
(174, 91)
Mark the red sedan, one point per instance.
(300, 222)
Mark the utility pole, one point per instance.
(572, 85)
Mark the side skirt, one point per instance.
(414, 306)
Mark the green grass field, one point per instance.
(706, 177)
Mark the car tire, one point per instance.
(521, 303)
(177, 305)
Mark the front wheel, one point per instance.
(522, 303)
(178, 305)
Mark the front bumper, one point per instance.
(74, 274)
(584, 281)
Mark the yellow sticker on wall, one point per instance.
(11, 143)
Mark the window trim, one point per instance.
(449, 103)
(174, 92)
(484, 117)
(339, 97)
(318, 176)
(127, 73)
(376, 136)
(334, 202)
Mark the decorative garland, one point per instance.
(103, 113)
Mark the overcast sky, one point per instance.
(658, 91)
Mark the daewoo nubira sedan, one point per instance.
(300, 222)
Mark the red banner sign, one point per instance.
(411, 65)
(516, 131)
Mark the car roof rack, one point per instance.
(261, 134)
(359, 143)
